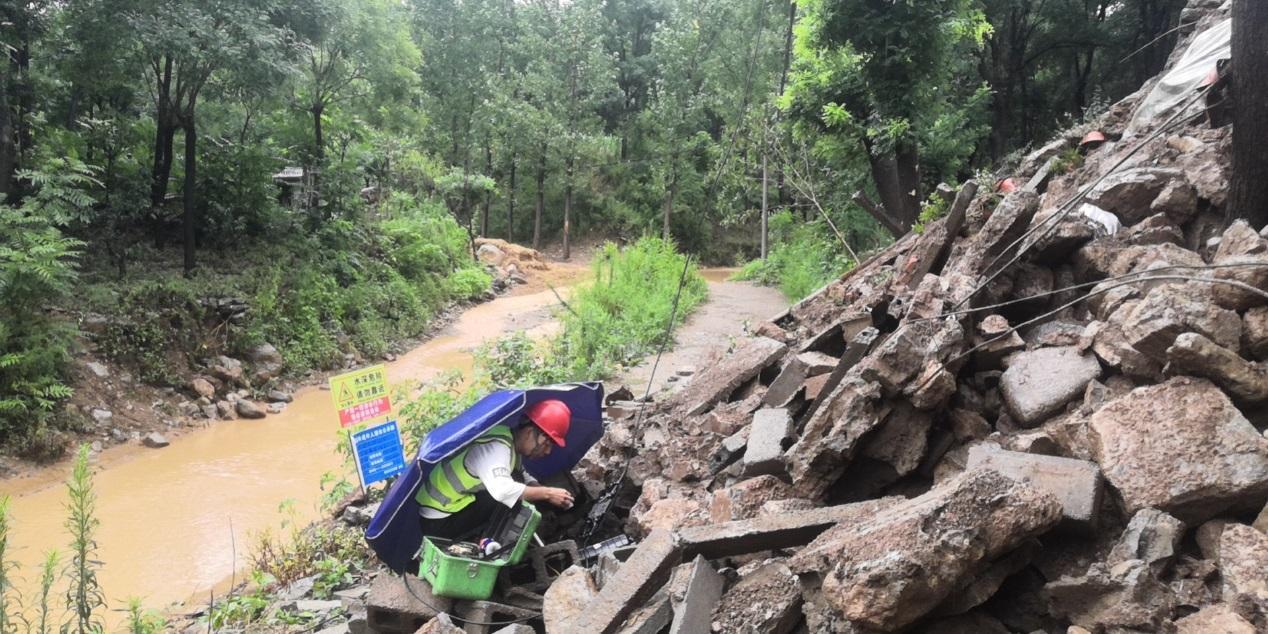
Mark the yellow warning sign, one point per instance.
(360, 395)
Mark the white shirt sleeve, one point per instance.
(491, 462)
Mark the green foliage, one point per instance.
(143, 621)
(37, 269)
(802, 260)
(84, 597)
(8, 600)
(933, 209)
(240, 610)
(1068, 161)
(48, 576)
(468, 284)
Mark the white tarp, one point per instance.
(1177, 86)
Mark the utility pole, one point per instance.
(764, 209)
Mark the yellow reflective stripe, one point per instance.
(450, 487)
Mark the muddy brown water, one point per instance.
(179, 523)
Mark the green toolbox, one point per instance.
(461, 570)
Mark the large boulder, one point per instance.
(1153, 324)
(1241, 257)
(1040, 382)
(888, 570)
(1181, 447)
(1130, 194)
(568, 598)
(1196, 355)
(1244, 564)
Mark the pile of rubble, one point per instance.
(1044, 413)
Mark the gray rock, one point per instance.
(278, 396)
(98, 369)
(1130, 194)
(1153, 324)
(264, 354)
(248, 409)
(274, 408)
(297, 589)
(102, 416)
(1152, 536)
(1040, 382)
(209, 412)
(225, 410)
(1198, 356)
(317, 607)
(155, 440)
(189, 408)
(118, 435)
(202, 387)
(490, 254)
(97, 446)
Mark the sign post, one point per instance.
(360, 397)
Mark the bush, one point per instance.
(37, 267)
(803, 259)
(468, 284)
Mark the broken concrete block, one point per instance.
(769, 532)
(765, 450)
(1040, 382)
(568, 598)
(651, 618)
(995, 340)
(1151, 536)
(968, 425)
(1007, 223)
(475, 614)
(1255, 332)
(744, 500)
(1076, 484)
(901, 439)
(718, 381)
(1130, 193)
(829, 437)
(1243, 562)
(694, 613)
(636, 580)
(1126, 597)
(1166, 312)
(985, 584)
(1240, 245)
(1181, 447)
(898, 359)
(392, 607)
(1196, 355)
(887, 570)
(932, 388)
(442, 624)
(1219, 617)
(793, 377)
(767, 598)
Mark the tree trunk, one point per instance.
(8, 149)
(488, 196)
(1248, 191)
(669, 199)
(188, 218)
(541, 200)
(319, 143)
(897, 178)
(568, 209)
(165, 131)
(765, 212)
(510, 204)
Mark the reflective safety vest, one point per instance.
(450, 487)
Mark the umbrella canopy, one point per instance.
(394, 532)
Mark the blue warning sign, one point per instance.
(379, 453)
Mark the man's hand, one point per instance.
(561, 498)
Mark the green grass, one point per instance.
(803, 259)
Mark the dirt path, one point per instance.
(732, 309)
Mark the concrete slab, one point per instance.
(764, 452)
(704, 588)
(636, 580)
(767, 533)
(1077, 484)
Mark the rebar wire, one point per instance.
(1101, 291)
(1144, 274)
(1065, 208)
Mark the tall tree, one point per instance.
(879, 74)
(187, 43)
(1248, 191)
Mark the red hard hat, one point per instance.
(552, 417)
(1006, 186)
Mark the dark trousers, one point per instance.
(467, 524)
